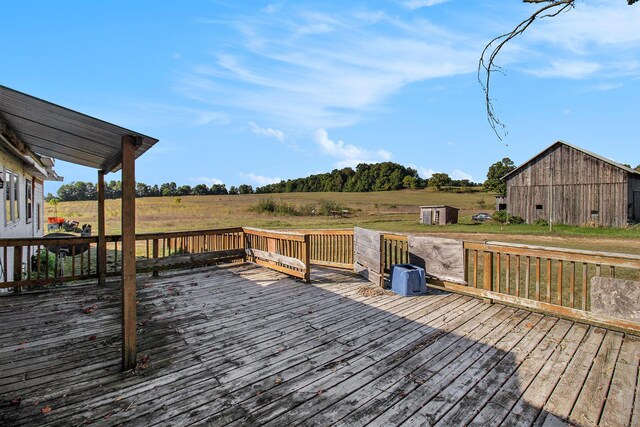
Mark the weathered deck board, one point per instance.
(242, 345)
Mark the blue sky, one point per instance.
(257, 91)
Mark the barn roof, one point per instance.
(51, 130)
(558, 143)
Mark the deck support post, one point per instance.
(102, 242)
(17, 267)
(129, 349)
(306, 257)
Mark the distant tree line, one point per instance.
(80, 190)
(385, 176)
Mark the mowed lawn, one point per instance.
(388, 211)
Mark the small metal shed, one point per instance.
(438, 215)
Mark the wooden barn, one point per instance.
(565, 184)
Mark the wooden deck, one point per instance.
(243, 345)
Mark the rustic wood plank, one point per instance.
(567, 390)
(527, 409)
(590, 402)
(495, 411)
(274, 257)
(441, 258)
(620, 399)
(530, 334)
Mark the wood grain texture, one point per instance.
(441, 258)
(368, 254)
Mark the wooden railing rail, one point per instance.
(287, 252)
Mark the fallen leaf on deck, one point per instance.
(92, 338)
(319, 392)
(118, 399)
(144, 361)
(16, 401)
(278, 380)
(91, 309)
(46, 409)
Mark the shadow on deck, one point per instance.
(243, 345)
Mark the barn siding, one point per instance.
(581, 184)
(633, 201)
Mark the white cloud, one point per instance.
(425, 172)
(268, 132)
(597, 38)
(593, 24)
(348, 154)
(142, 114)
(568, 69)
(418, 4)
(206, 180)
(458, 174)
(259, 179)
(307, 70)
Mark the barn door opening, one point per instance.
(636, 206)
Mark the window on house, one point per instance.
(539, 207)
(16, 197)
(38, 216)
(7, 196)
(28, 192)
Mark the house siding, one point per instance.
(21, 227)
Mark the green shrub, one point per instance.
(500, 216)
(283, 208)
(47, 262)
(503, 217)
(327, 206)
(541, 222)
(516, 219)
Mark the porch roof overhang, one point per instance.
(51, 130)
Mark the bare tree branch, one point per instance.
(487, 64)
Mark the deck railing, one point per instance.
(395, 250)
(560, 277)
(552, 280)
(33, 261)
(161, 251)
(287, 252)
(331, 248)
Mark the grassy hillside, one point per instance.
(391, 210)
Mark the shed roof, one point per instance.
(558, 143)
(438, 206)
(52, 130)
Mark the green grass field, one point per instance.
(388, 211)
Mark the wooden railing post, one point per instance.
(382, 260)
(487, 273)
(17, 267)
(102, 242)
(155, 250)
(306, 257)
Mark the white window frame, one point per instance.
(28, 199)
(11, 195)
